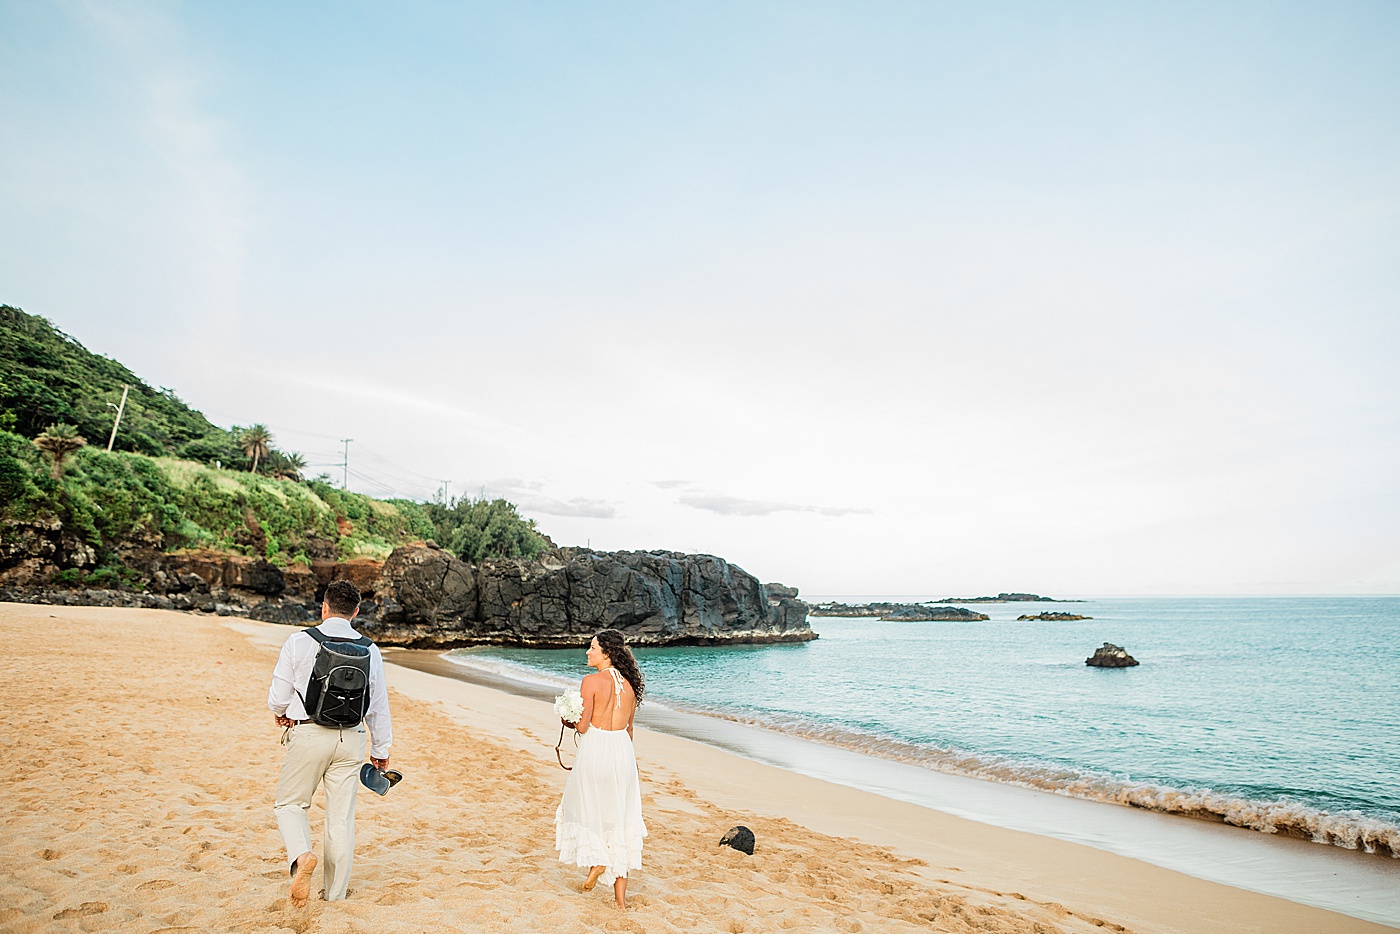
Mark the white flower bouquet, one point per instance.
(569, 706)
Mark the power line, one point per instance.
(406, 473)
(381, 486)
(399, 468)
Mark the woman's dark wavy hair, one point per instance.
(613, 646)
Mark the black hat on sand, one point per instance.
(377, 781)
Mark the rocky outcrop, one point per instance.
(903, 612)
(777, 592)
(1053, 617)
(32, 553)
(219, 601)
(1111, 656)
(1008, 598)
(934, 614)
(429, 598)
(422, 596)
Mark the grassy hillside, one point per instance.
(120, 502)
(47, 377)
(160, 489)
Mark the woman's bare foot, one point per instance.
(592, 879)
(620, 892)
(301, 878)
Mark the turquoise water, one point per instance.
(1273, 713)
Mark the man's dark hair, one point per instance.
(343, 598)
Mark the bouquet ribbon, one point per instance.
(557, 754)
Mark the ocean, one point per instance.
(1276, 714)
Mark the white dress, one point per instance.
(599, 822)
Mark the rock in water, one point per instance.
(740, 838)
(1111, 656)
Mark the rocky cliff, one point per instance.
(424, 597)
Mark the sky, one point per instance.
(867, 298)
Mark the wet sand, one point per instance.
(143, 758)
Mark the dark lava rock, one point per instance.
(777, 592)
(924, 614)
(430, 586)
(739, 838)
(285, 612)
(1111, 656)
(563, 597)
(423, 596)
(255, 574)
(1009, 598)
(1054, 617)
(899, 612)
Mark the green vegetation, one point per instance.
(114, 501)
(474, 529)
(58, 441)
(48, 377)
(256, 443)
(119, 501)
(174, 480)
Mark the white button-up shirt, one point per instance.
(293, 672)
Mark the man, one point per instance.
(317, 754)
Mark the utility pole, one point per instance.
(345, 464)
(120, 409)
(444, 490)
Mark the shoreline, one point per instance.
(1318, 875)
(141, 801)
(1276, 819)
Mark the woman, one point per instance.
(599, 823)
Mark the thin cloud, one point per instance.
(578, 507)
(528, 495)
(670, 484)
(735, 506)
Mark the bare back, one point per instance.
(610, 699)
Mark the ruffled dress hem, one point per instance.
(584, 847)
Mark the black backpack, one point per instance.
(338, 693)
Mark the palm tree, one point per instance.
(59, 440)
(256, 442)
(284, 465)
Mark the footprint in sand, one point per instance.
(397, 895)
(86, 908)
(154, 884)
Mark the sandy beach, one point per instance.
(142, 760)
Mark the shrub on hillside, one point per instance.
(477, 529)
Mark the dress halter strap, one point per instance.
(617, 687)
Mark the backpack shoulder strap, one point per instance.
(322, 638)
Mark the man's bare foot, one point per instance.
(592, 879)
(301, 880)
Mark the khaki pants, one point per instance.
(317, 754)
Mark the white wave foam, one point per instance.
(505, 669)
(1348, 829)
